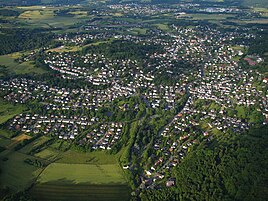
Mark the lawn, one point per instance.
(8, 111)
(63, 173)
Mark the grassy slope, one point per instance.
(15, 173)
(8, 111)
(14, 67)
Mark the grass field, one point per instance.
(16, 140)
(213, 17)
(139, 31)
(65, 49)
(62, 173)
(62, 181)
(15, 173)
(163, 27)
(98, 157)
(4, 142)
(8, 111)
(46, 17)
(52, 192)
(48, 154)
(14, 67)
(27, 149)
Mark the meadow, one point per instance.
(82, 176)
(62, 173)
(57, 192)
(15, 173)
(8, 110)
(19, 68)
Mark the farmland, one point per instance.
(62, 173)
(68, 181)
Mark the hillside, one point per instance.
(225, 168)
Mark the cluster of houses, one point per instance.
(82, 38)
(144, 10)
(62, 127)
(220, 81)
(69, 128)
(104, 136)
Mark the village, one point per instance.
(198, 63)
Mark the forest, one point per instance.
(14, 40)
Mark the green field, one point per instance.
(52, 192)
(48, 154)
(39, 141)
(62, 173)
(17, 68)
(98, 157)
(67, 181)
(8, 110)
(15, 173)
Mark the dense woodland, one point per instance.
(14, 40)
